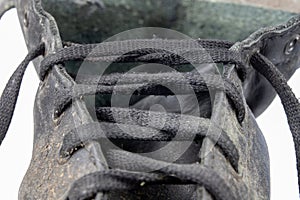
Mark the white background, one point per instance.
(15, 152)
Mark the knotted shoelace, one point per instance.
(128, 173)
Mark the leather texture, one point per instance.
(50, 178)
(272, 42)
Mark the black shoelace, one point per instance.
(128, 173)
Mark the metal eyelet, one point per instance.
(25, 20)
(290, 47)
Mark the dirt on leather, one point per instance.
(288, 5)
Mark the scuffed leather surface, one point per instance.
(46, 178)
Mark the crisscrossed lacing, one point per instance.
(129, 166)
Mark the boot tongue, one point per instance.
(182, 104)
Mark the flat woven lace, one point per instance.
(128, 172)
